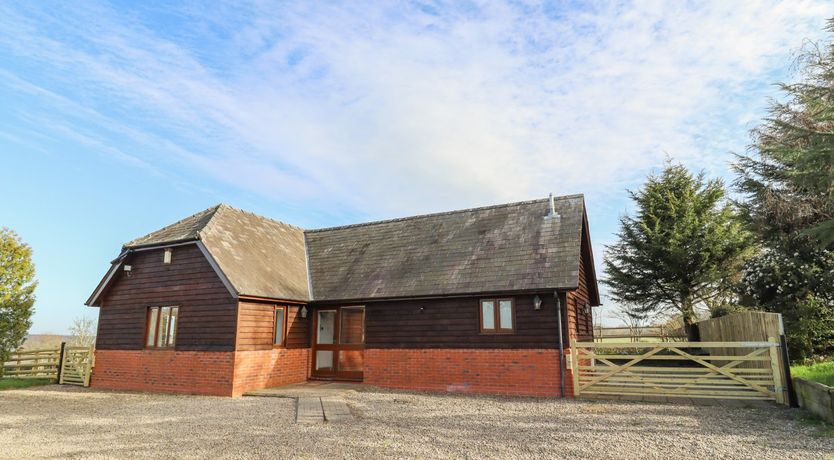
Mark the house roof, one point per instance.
(508, 247)
(259, 256)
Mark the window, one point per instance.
(278, 332)
(161, 330)
(497, 316)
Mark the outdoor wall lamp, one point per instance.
(537, 303)
(303, 312)
(128, 269)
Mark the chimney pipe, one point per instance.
(552, 207)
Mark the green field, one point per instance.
(12, 383)
(820, 372)
(629, 340)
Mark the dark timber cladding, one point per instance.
(455, 323)
(207, 311)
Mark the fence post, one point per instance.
(786, 361)
(89, 366)
(574, 354)
(61, 361)
(776, 370)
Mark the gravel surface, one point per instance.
(70, 422)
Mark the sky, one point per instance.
(117, 118)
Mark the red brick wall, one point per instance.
(268, 368)
(521, 372)
(190, 372)
(194, 372)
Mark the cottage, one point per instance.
(225, 301)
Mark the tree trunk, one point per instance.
(689, 326)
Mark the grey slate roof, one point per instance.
(509, 247)
(497, 248)
(259, 256)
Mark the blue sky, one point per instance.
(119, 118)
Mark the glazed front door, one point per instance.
(339, 343)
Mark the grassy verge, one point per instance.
(822, 428)
(820, 372)
(10, 384)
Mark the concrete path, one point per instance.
(309, 411)
(316, 402)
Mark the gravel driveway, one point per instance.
(61, 422)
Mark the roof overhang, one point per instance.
(593, 284)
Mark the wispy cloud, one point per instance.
(416, 106)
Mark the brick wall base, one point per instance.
(269, 368)
(190, 372)
(198, 372)
(533, 372)
(521, 372)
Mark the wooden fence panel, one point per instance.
(69, 365)
(748, 325)
(35, 363)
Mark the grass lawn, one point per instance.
(10, 383)
(820, 372)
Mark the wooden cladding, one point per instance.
(257, 326)
(580, 316)
(207, 313)
(456, 323)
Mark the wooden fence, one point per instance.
(67, 364)
(677, 369)
(637, 334)
(77, 366)
(36, 363)
(744, 326)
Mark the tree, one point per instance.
(83, 331)
(674, 254)
(17, 292)
(787, 178)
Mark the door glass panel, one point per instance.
(488, 314)
(351, 361)
(324, 360)
(154, 316)
(162, 335)
(352, 329)
(172, 327)
(278, 333)
(327, 328)
(505, 308)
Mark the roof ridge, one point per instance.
(444, 213)
(243, 211)
(210, 210)
(210, 222)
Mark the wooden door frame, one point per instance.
(336, 347)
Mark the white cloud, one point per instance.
(390, 107)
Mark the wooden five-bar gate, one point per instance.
(71, 365)
(721, 370)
